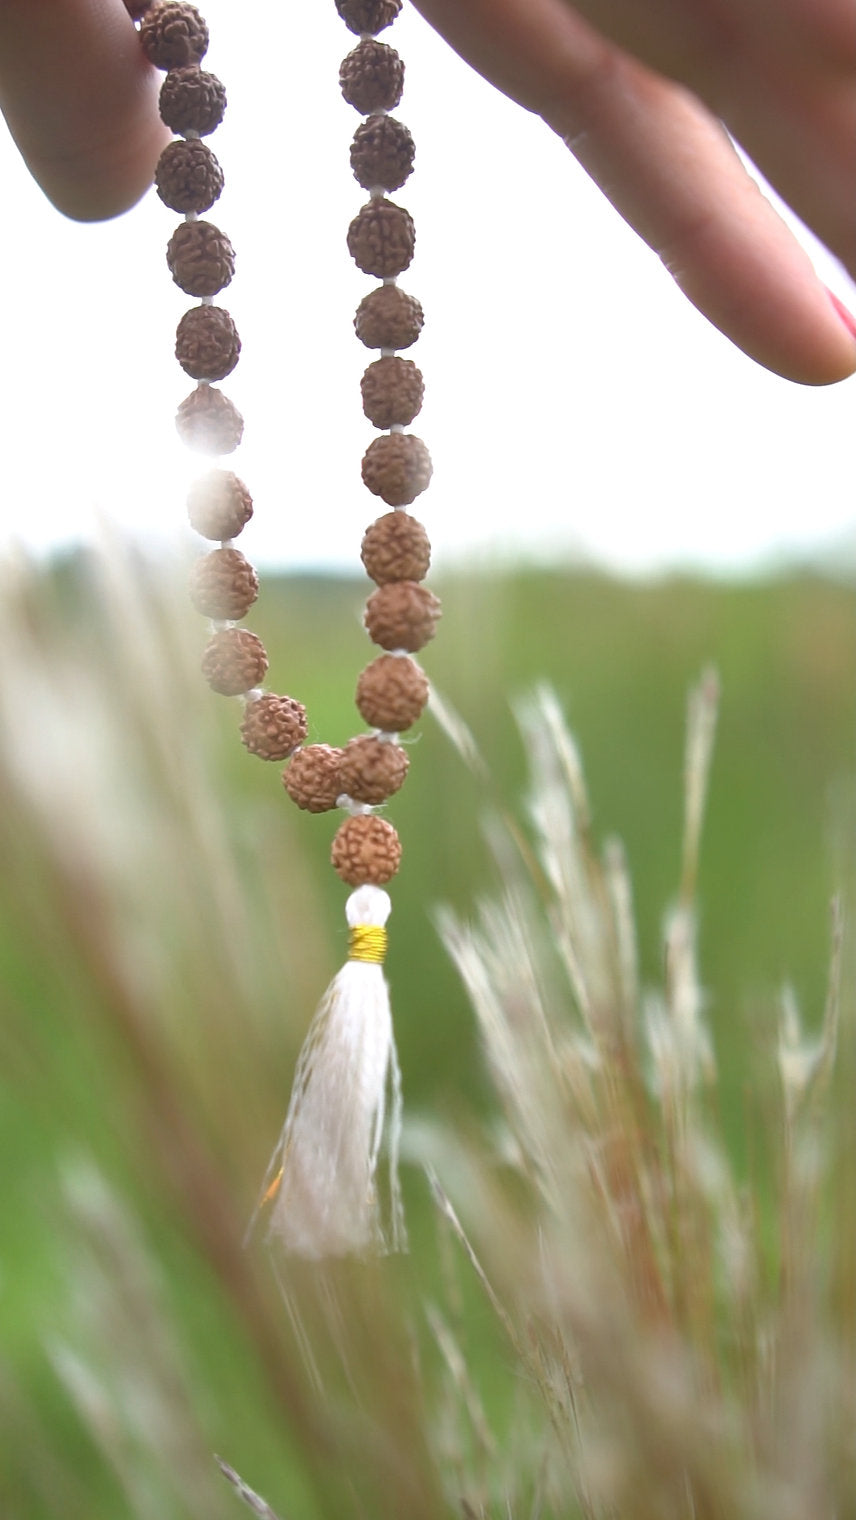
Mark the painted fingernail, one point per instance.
(846, 316)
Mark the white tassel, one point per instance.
(323, 1198)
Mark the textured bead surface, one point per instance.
(388, 318)
(402, 615)
(368, 15)
(219, 505)
(188, 176)
(391, 693)
(192, 100)
(366, 850)
(392, 391)
(396, 548)
(396, 467)
(173, 34)
(273, 727)
(373, 769)
(313, 778)
(223, 585)
(201, 259)
(372, 77)
(382, 153)
(234, 661)
(209, 422)
(381, 239)
(207, 345)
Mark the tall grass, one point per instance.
(603, 1314)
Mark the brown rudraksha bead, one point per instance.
(368, 15)
(201, 259)
(273, 727)
(234, 661)
(391, 693)
(366, 850)
(313, 778)
(388, 318)
(392, 390)
(396, 548)
(382, 153)
(402, 615)
(223, 585)
(373, 769)
(207, 345)
(396, 467)
(372, 77)
(173, 35)
(192, 100)
(219, 505)
(381, 239)
(209, 422)
(188, 176)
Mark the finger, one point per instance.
(80, 101)
(669, 169)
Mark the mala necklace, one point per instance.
(320, 1195)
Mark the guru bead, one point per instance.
(381, 239)
(372, 77)
(391, 693)
(219, 505)
(382, 153)
(188, 176)
(368, 15)
(366, 851)
(207, 345)
(396, 548)
(313, 778)
(234, 661)
(273, 727)
(402, 615)
(192, 101)
(172, 34)
(200, 257)
(388, 318)
(392, 391)
(373, 769)
(223, 585)
(209, 422)
(396, 467)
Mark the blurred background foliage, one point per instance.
(164, 937)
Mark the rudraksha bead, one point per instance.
(391, 693)
(382, 153)
(207, 345)
(173, 34)
(368, 15)
(381, 239)
(392, 390)
(373, 769)
(209, 422)
(192, 100)
(223, 585)
(313, 778)
(372, 77)
(219, 505)
(388, 318)
(201, 259)
(188, 176)
(402, 615)
(273, 727)
(366, 850)
(396, 548)
(396, 467)
(234, 661)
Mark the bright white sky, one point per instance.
(576, 404)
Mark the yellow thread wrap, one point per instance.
(367, 943)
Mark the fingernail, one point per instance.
(846, 316)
